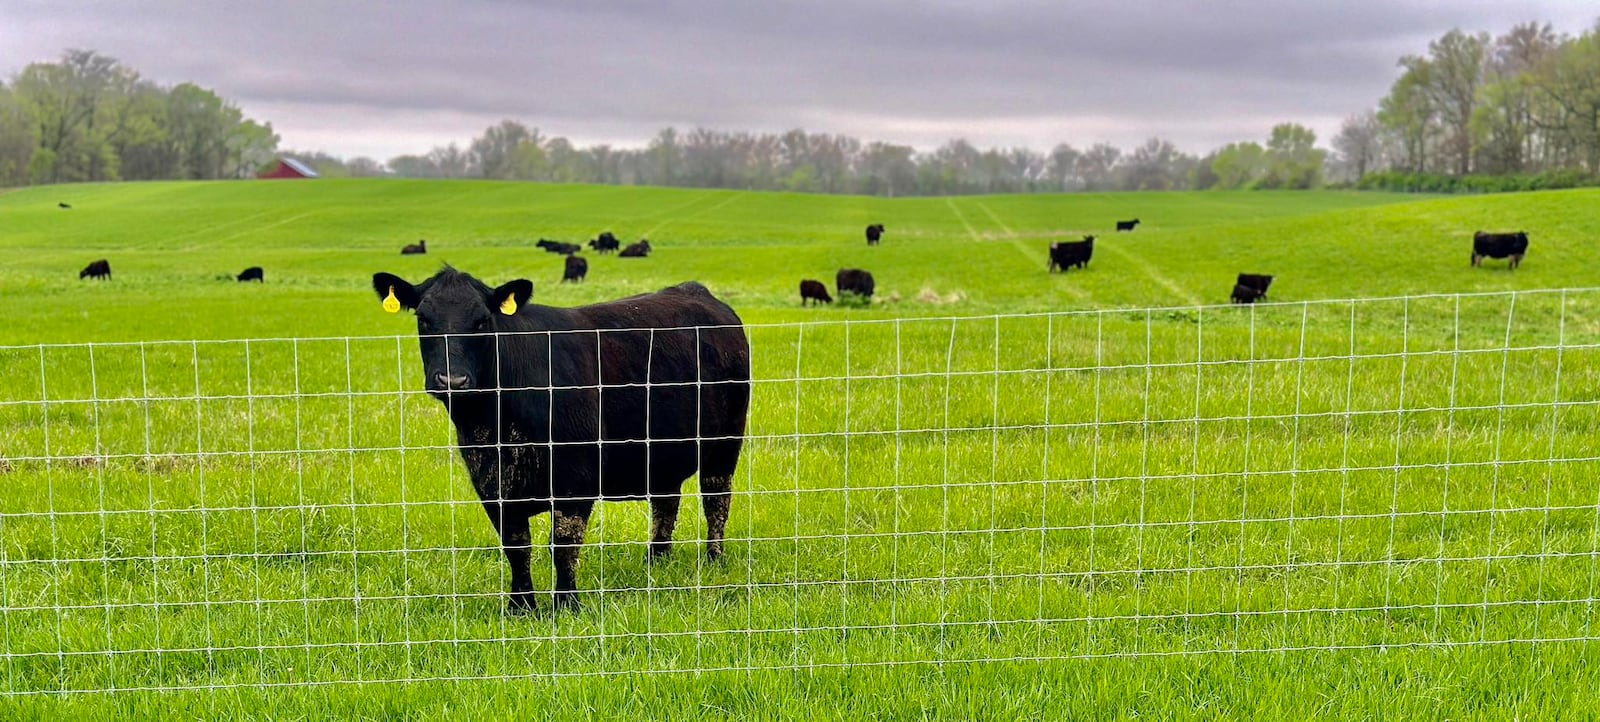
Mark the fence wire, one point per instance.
(1367, 474)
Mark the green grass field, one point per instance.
(238, 502)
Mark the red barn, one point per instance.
(287, 167)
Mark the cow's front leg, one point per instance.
(569, 522)
(511, 523)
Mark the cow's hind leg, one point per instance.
(716, 495)
(569, 523)
(663, 519)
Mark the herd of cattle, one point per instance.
(577, 267)
(1252, 287)
(1062, 256)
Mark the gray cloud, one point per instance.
(402, 75)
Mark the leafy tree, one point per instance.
(1293, 160)
(18, 139)
(1239, 165)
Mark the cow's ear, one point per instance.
(394, 292)
(511, 296)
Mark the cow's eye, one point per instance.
(481, 326)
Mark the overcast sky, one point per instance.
(397, 76)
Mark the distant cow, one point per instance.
(1250, 287)
(1071, 254)
(551, 414)
(64, 206)
(854, 280)
(100, 269)
(577, 269)
(415, 249)
(605, 243)
(636, 250)
(1499, 245)
(559, 247)
(252, 273)
(814, 292)
(1127, 225)
(874, 232)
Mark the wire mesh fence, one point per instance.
(1417, 471)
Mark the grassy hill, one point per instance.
(1141, 493)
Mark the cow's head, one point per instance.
(457, 317)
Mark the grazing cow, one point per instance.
(1127, 225)
(1499, 245)
(874, 232)
(1250, 287)
(1071, 254)
(636, 250)
(605, 243)
(64, 206)
(252, 273)
(577, 269)
(415, 249)
(854, 280)
(100, 269)
(814, 292)
(555, 408)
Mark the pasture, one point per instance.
(239, 499)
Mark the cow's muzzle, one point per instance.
(447, 382)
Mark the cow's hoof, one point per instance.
(657, 553)
(521, 603)
(567, 602)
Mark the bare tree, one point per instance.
(1359, 145)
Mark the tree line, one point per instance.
(89, 117)
(1522, 107)
(828, 163)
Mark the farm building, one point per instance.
(287, 167)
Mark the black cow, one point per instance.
(577, 269)
(1127, 225)
(555, 408)
(1499, 245)
(560, 247)
(100, 269)
(1250, 287)
(854, 280)
(1071, 254)
(874, 232)
(415, 249)
(636, 250)
(252, 273)
(605, 243)
(64, 206)
(815, 292)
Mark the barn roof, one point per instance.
(298, 167)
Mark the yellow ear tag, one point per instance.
(509, 306)
(391, 304)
